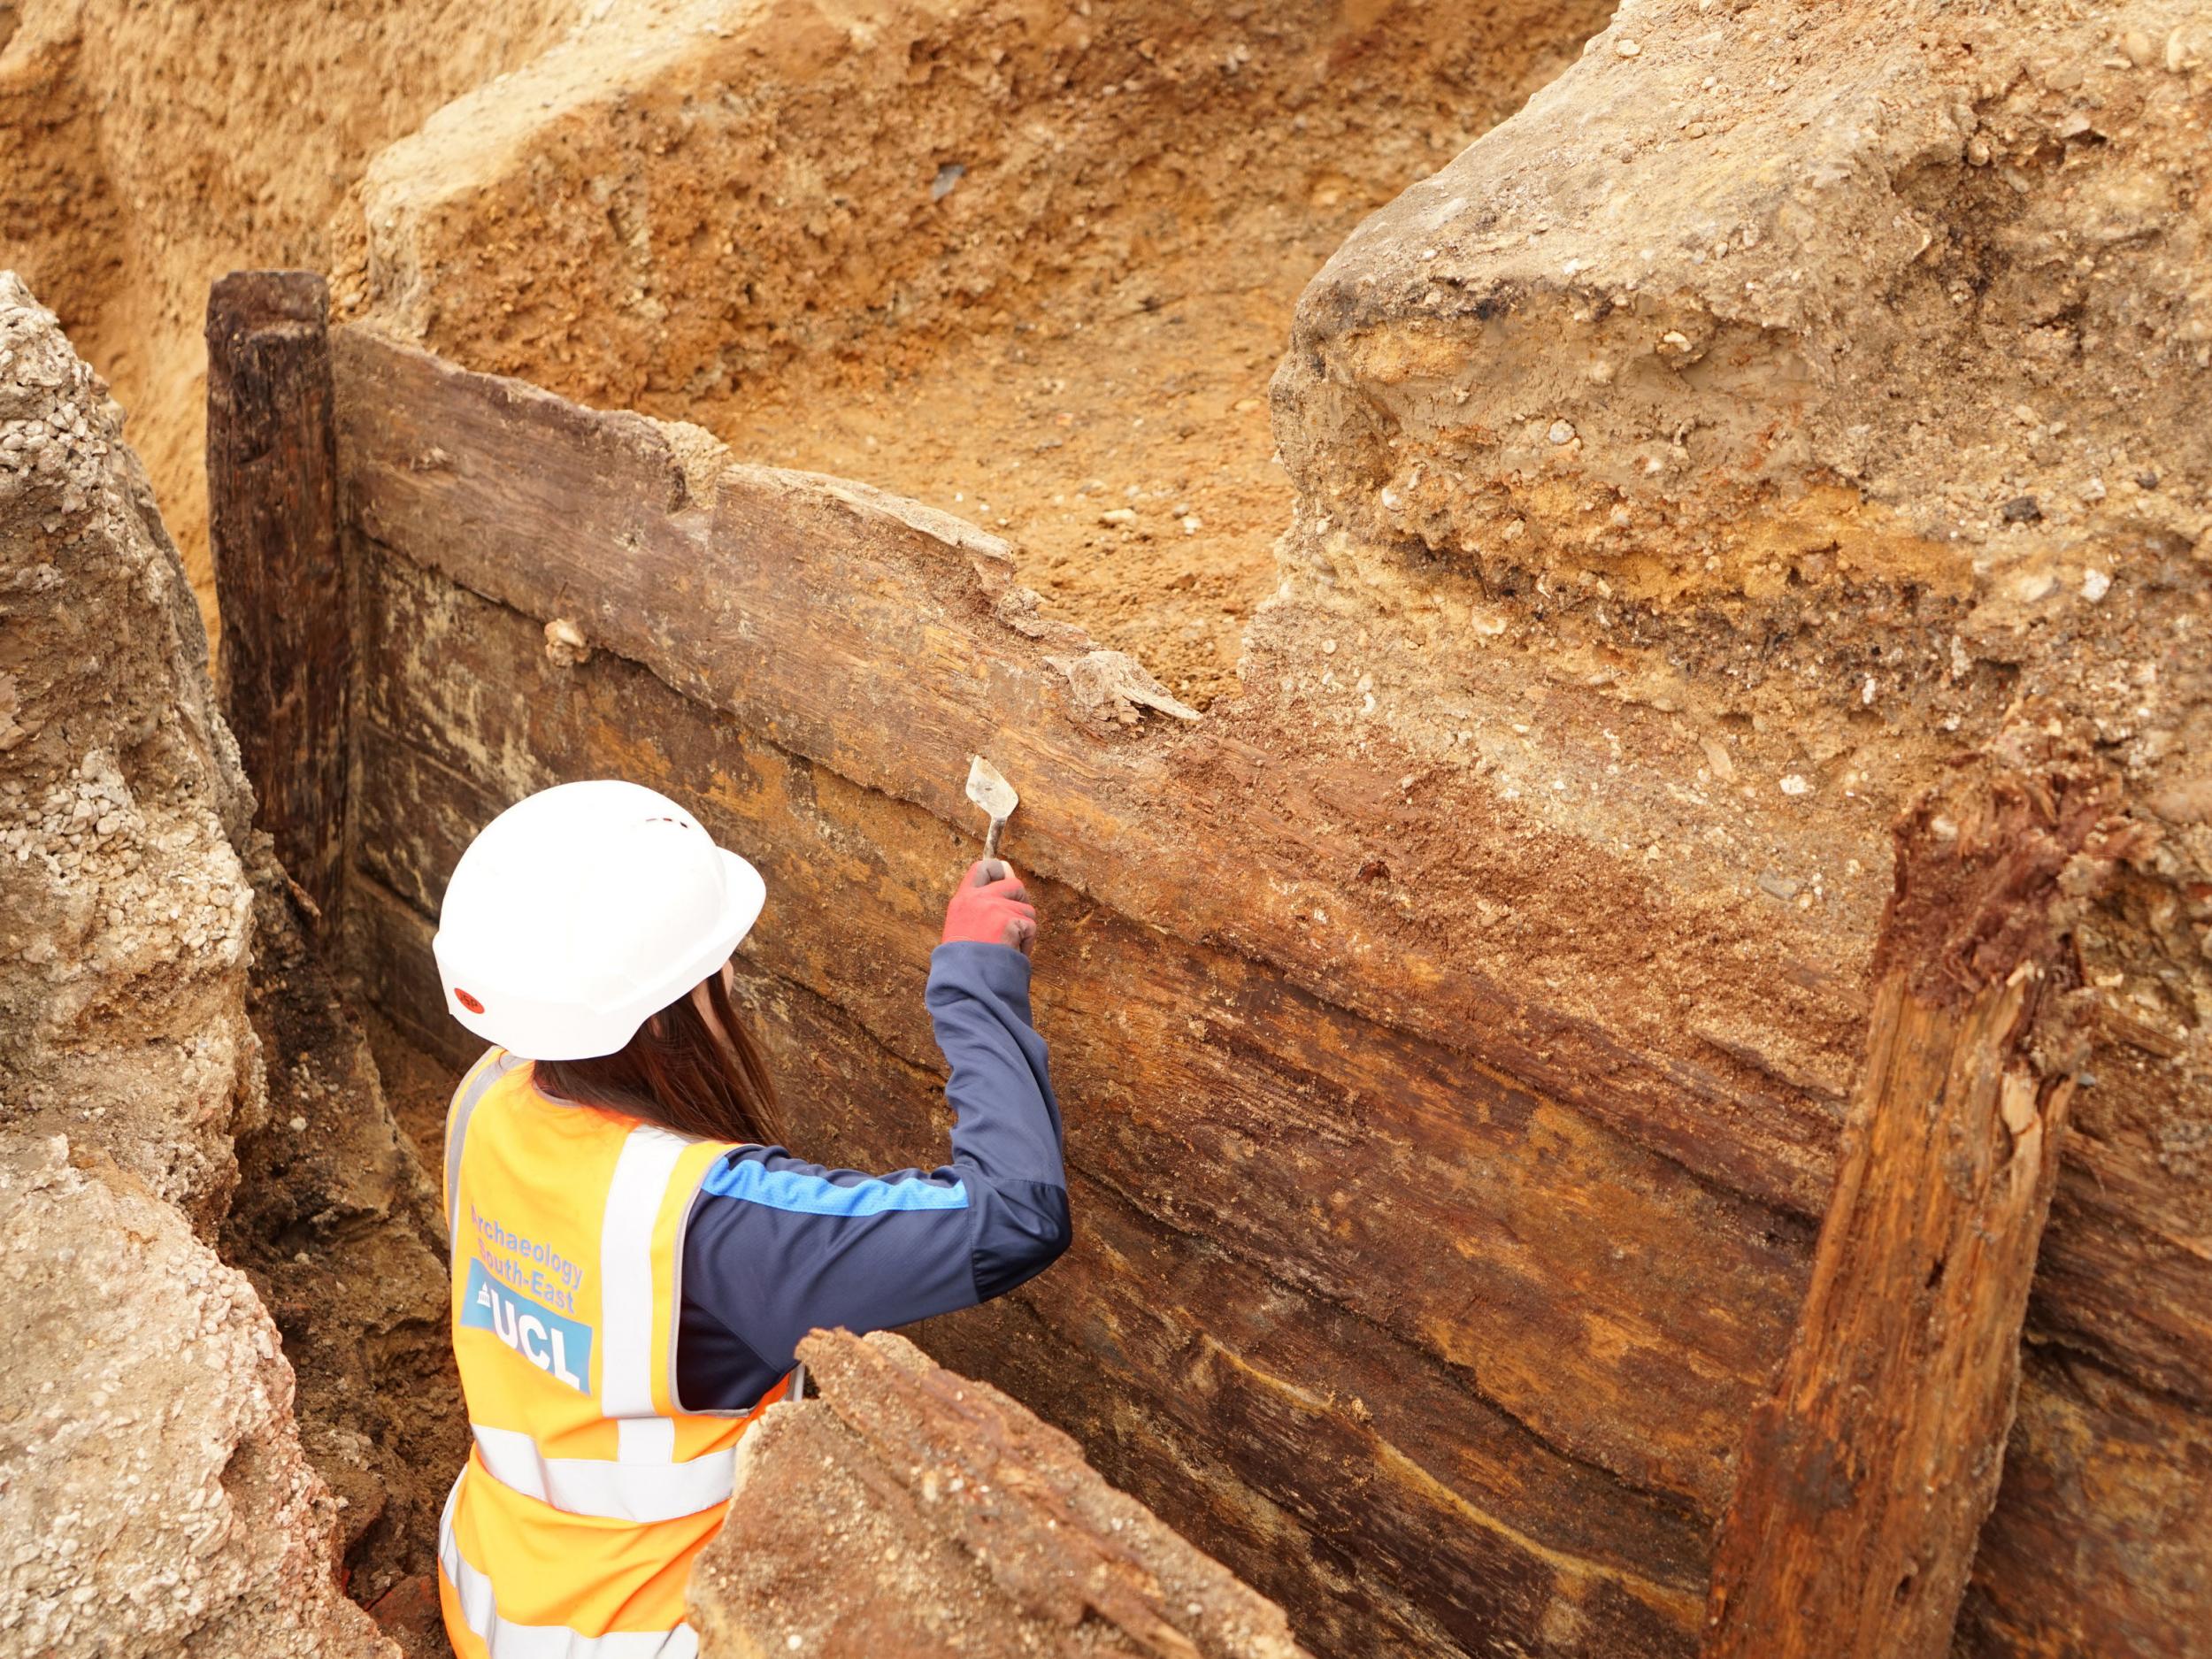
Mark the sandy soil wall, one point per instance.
(154, 148)
(1030, 263)
(1707, 457)
(1026, 261)
(201, 1160)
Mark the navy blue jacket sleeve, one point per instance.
(777, 1247)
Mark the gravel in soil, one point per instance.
(1129, 457)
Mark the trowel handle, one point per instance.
(990, 838)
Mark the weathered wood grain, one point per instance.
(272, 528)
(885, 642)
(1442, 1281)
(1342, 1475)
(1194, 1072)
(2103, 1525)
(1475, 1494)
(1867, 1475)
(1329, 1465)
(385, 941)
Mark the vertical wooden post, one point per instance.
(272, 528)
(1865, 1478)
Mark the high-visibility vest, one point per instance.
(588, 1491)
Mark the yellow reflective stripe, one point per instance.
(668, 1249)
(625, 1270)
(496, 1064)
(503, 1639)
(631, 1490)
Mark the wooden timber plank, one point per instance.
(1309, 1412)
(1331, 1466)
(389, 951)
(2118, 1220)
(2102, 1535)
(272, 529)
(1868, 1474)
(1532, 1247)
(1111, 1357)
(1495, 1231)
(882, 641)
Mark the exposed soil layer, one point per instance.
(152, 148)
(1159, 414)
(417, 1086)
(1022, 262)
(166, 1025)
(337, 1223)
(1028, 264)
(1109, 414)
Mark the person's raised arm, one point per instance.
(777, 1247)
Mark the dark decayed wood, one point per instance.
(1207, 1101)
(1868, 1473)
(272, 529)
(886, 641)
(1435, 1304)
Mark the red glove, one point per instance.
(991, 907)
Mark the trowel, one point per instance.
(987, 787)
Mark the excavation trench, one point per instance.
(337, 1222)
(1035, 275)
(1455, 1022)
(477, 511)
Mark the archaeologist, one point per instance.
(636, 1257)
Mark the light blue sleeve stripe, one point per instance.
(754, 1182)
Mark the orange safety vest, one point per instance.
(589, 1490)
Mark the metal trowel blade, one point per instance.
(987, 787)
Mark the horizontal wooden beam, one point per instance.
(1494, 1441)
(889, 643)
(1189, 1071)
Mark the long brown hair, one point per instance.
(680, 1073)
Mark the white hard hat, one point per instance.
(581, 910)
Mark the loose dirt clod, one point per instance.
(962, 1526)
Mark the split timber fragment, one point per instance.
(1867, 1475)
(953, 1522)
